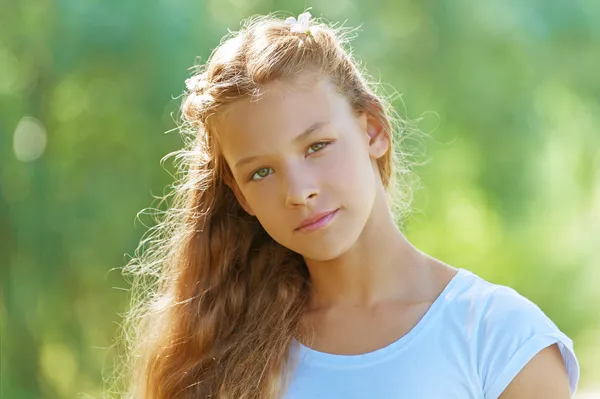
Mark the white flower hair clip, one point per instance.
(302, 25)
(193, 83)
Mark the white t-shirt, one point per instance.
(473, 340)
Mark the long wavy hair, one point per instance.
(217, 303)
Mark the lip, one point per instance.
(317, 221)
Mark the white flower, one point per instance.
(192, 83)
(301, 25)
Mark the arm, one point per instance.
(544, 376)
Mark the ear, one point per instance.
(240, 197)
(379, 141)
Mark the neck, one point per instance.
(381, 266)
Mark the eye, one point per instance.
(261, 173)
(317, 147)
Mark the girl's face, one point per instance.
(298, 153)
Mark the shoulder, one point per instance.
(515, 341)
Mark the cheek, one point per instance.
(262, 197)
(266, 203)
(349, 166)
(269, 209)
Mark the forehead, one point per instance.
(279, 113)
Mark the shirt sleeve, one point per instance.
(512, 331)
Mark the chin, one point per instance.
(324, 250)
(331, 245)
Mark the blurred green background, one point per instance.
(508, 90)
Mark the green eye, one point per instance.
(261, 173)
(317, 147)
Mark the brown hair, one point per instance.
(216, 302)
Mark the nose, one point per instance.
(301, 188)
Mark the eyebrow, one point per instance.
(299, 138)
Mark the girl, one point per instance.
(279, 270)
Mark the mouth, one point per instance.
(317, 221)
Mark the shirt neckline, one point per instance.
(312, 356)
